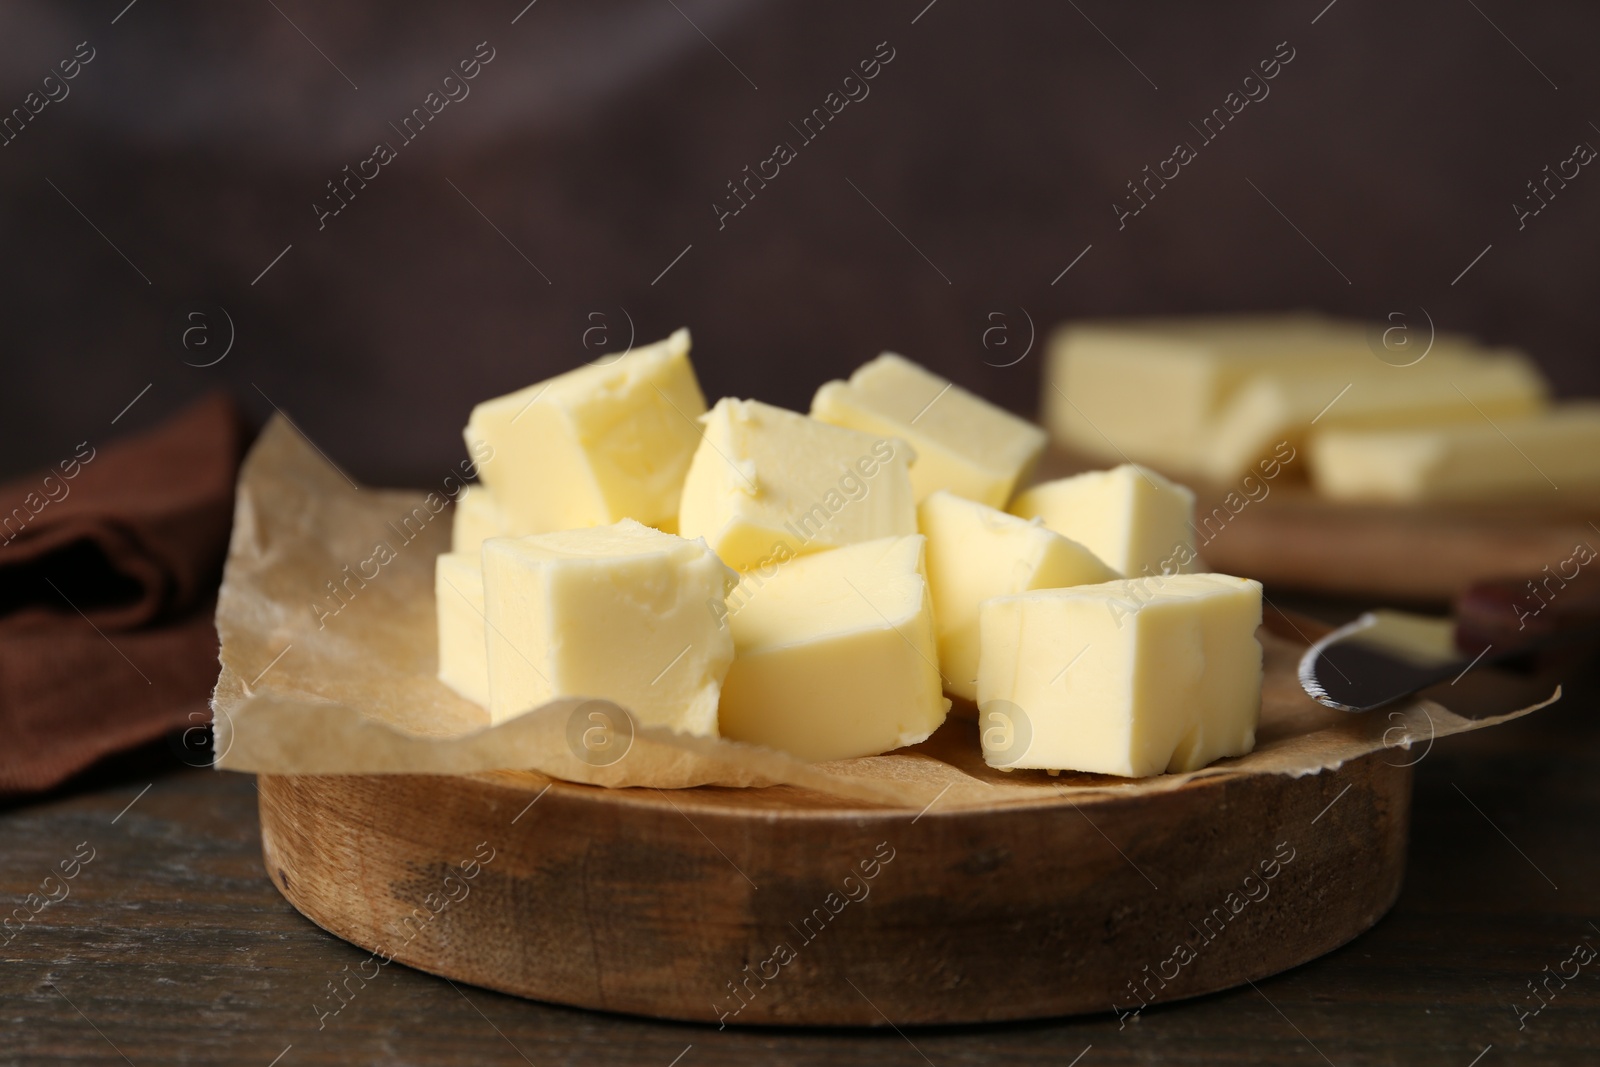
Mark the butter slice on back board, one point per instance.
(835, 653)
(1171, 392)
(1274, 408)
(1132, 677)
(1154, 386)
(1516, 458)
(963, 443)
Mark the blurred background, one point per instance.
(570, 200)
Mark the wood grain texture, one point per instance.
(676, 904)
(174, 947)
(1291, 538)
(1295, 539)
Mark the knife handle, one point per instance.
(1564, 598)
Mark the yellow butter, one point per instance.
(622, 613)
(835, 653)
(1132, 677)
(1471, 461)
(976, 552)
(1274, 408)
(607, 441)
(1151, 388)
(767, 482)
(1132, 518)
(476, 519)
(1208, 397)
(963, 443)
(458, 599)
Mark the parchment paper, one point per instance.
(329, 670)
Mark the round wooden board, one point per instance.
(675, 904)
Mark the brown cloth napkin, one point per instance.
(109, 564)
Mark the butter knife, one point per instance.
(1385, 655)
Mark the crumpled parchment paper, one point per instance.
(329, 656)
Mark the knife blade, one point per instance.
(1381, 657)
(1384, 656)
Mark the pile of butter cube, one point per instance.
(824, 584)
(1389, 411)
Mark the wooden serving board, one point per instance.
(755, 906)
(1292, 538)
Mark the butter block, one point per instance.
(835, 653)
(1151, 388)
(606, 441)
(458, 600)
(1132, 518)
(476, 519)
(766, 482)
(615, 612)
(1472, 461)
(976, 552)
(963, 443)
(1274, 408)
(1162, 391)
(1132, 677)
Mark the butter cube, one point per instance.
(766, 482)
(604, 442)
(1473, 461)
(477, 518)
(1132, 677)
(1133, 519)
(458, 599)
(614, 612)
(963, 443)
(835, 653)
(976, 552)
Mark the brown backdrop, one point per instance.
(985, 159)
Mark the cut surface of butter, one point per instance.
(607, 441)
(1472, 461)
(767, 483)
(1132, 677)
(962, 442)
(976, 552)
(458, 599)
(622, 613)
(1133, 519)
(835, 653)
(476, 519)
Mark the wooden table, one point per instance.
(172, 947)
